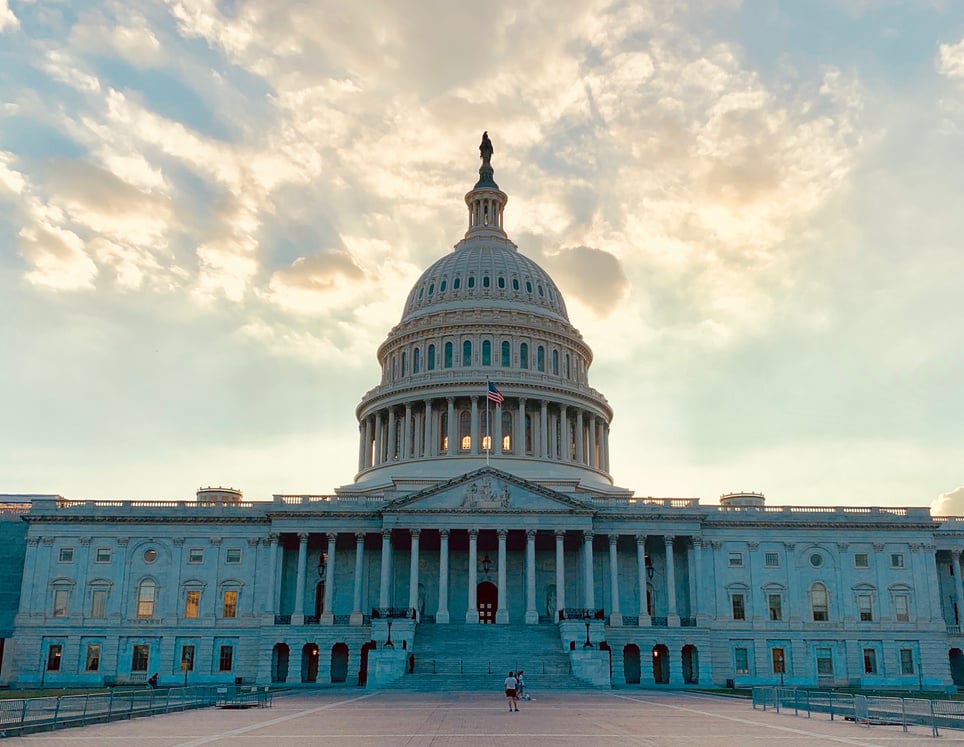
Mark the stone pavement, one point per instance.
(358, 718)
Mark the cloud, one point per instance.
(950, 503)
(7, 18)
(59, 258)
(594, 276)
(950, 60)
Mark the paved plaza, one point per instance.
(355, 718)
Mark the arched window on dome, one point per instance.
(421, 292)
(457, 283)
(524, 355)
(441, 286)
(528, 286)
(501, 282)
(541, 291)
(431, 289)
(404, 364)
(448, 355)
(555, 362)
(568, 367)
(507, 431)
(416, 360)
(486, 352)
(506, 354)
(467, 353)
(541, 359)
(431, 358)
(486, 281)
(471, 281)
(515, 284)
(465, 430)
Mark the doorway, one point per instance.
(339, 662)
(487, 596)
(279, 663)
(957, 666)
(660, 664)
(309, 662)
(631, 664)
(691, 665)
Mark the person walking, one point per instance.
(511, 685)
(520, 690)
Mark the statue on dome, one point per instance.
(485, 149)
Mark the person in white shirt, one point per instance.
(511, 685)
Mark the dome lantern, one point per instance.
(486, 202)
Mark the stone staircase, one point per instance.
(478, 657)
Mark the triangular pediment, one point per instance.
(488, 490)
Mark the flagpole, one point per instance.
(488, 427)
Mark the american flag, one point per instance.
(494, 395)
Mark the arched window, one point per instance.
(528, 286)
(486, 352)
(441, 287)
(465, 430)
(431, 357)
(416, 360)
(515, 284)
(568, 367)
(457, 283)
(431, 288)
(555, 362)
(486, 282)
(471, 281)
(501, 282)
(448, 355)
(146, 595)
(819, 602)
(506, 431)
(524, 355)
(467, 353)
(506, 354)
(404, 363)
(541, 358)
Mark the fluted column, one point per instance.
(451, 427)
(589, 592)
(270, 603)
(672, 615)
(328, 616)
(390, 453)
(442, 616)
(357, 615)
(368, 441)
(379, 440)
(472, 614)
(384, 600)
(519, 447)
(644, 618)
(475, 425)
(543, 429)
(532, 615)
(560, 572)
(565, 448)
(615, 618)
(413, 573)
(298, 618)
(427, 436)
(361, 445)
(580, 438)
(502, 611)
(407, 433)
(593, 458)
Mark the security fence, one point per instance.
(27, 715)
(868, 710)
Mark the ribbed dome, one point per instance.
(485, 273)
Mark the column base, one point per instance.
(357, 618)
(442, 617)
(501, 617)
(472, 617)
(297, 619)
(645, 621)
(532, 618)
(616, 620)
(327, 618)
(672, 621)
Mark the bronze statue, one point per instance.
(485, 149)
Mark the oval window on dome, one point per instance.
(421, 292)
(471, 281)
(501, 282)
(431, 289)
(441, 287)
(486, 281)
(515, 284)
(457, 283)
(528, 287)
(541, 292)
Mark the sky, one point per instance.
(211, 212)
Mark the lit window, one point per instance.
(736, 560)
(226, 659)
(139, 658)
(230, 603)
(861, 560)
(865, 607)
(60, 602)
(896, 560)
(66, 555)
(195, 555)
(739, 607)
(824, 658)
(779, 660)
(907, 661)
(53, 657)
(233, 555)
(146, 594)
(187, 658)
(819, 603)
(98, 603)
(775, 602)
(771, 559)
(902, 607)
(870, 661)
(92, 660)
(741, 661)
(103, 555)
(192, 603)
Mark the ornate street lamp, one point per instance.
(486, 564)
(322, 565)
(650, 571)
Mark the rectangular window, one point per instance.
(779, 661)
(92, 663)
(192, 603)
(66, 555)
(771, 559)
(54, 656)
(896, 560)
(233, 555)
(98, 603)
(139, 658)
(865, 607)
(907, 661)
(195, 555)
(861, 560)
(824, 662)
(102, 555)
(775, 602)
(187, 658)
(902, 608)
(870, 661)
(230, 603)
(736, 560)
(739, 607)
(819, 603)
(226, 659)
(741, 661)
(60, 602)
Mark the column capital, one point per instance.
(444, 532)
(613, 539)
(332, 536)
(178, 541)
(273, 538)
(415, 533)
(502, 533)
(359, 536)
(560, 533)
(450, 400)
(303, 537)
(753, 546)
(386, 534)
(252, 541)
(530, 533)
(587, 535)
(641, 539)
(788, 546)
(668, 539)
(474, 533)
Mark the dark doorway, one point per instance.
(631, 664)
(691, 665)
(957, 666)
(488, 600)
(279, 662)
(309, 663)
(660, 664)
(339, 662)
(319, 600)
(363, 664)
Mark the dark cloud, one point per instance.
(593, 276)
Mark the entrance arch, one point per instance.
(631, 669)
(487, 595)
(691, 665)
(956, 657)
(363, 664)
(660, 664)
(339, 662)
(279, 662)
(309, 662)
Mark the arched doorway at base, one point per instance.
(956, 657)
(487, 597)
(660, 664)
(631, 667)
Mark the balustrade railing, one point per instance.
(404, 613)
(580, 613)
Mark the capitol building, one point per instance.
(482, 532)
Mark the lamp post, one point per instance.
(588, 643)
(388, 643)
(780, 666)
